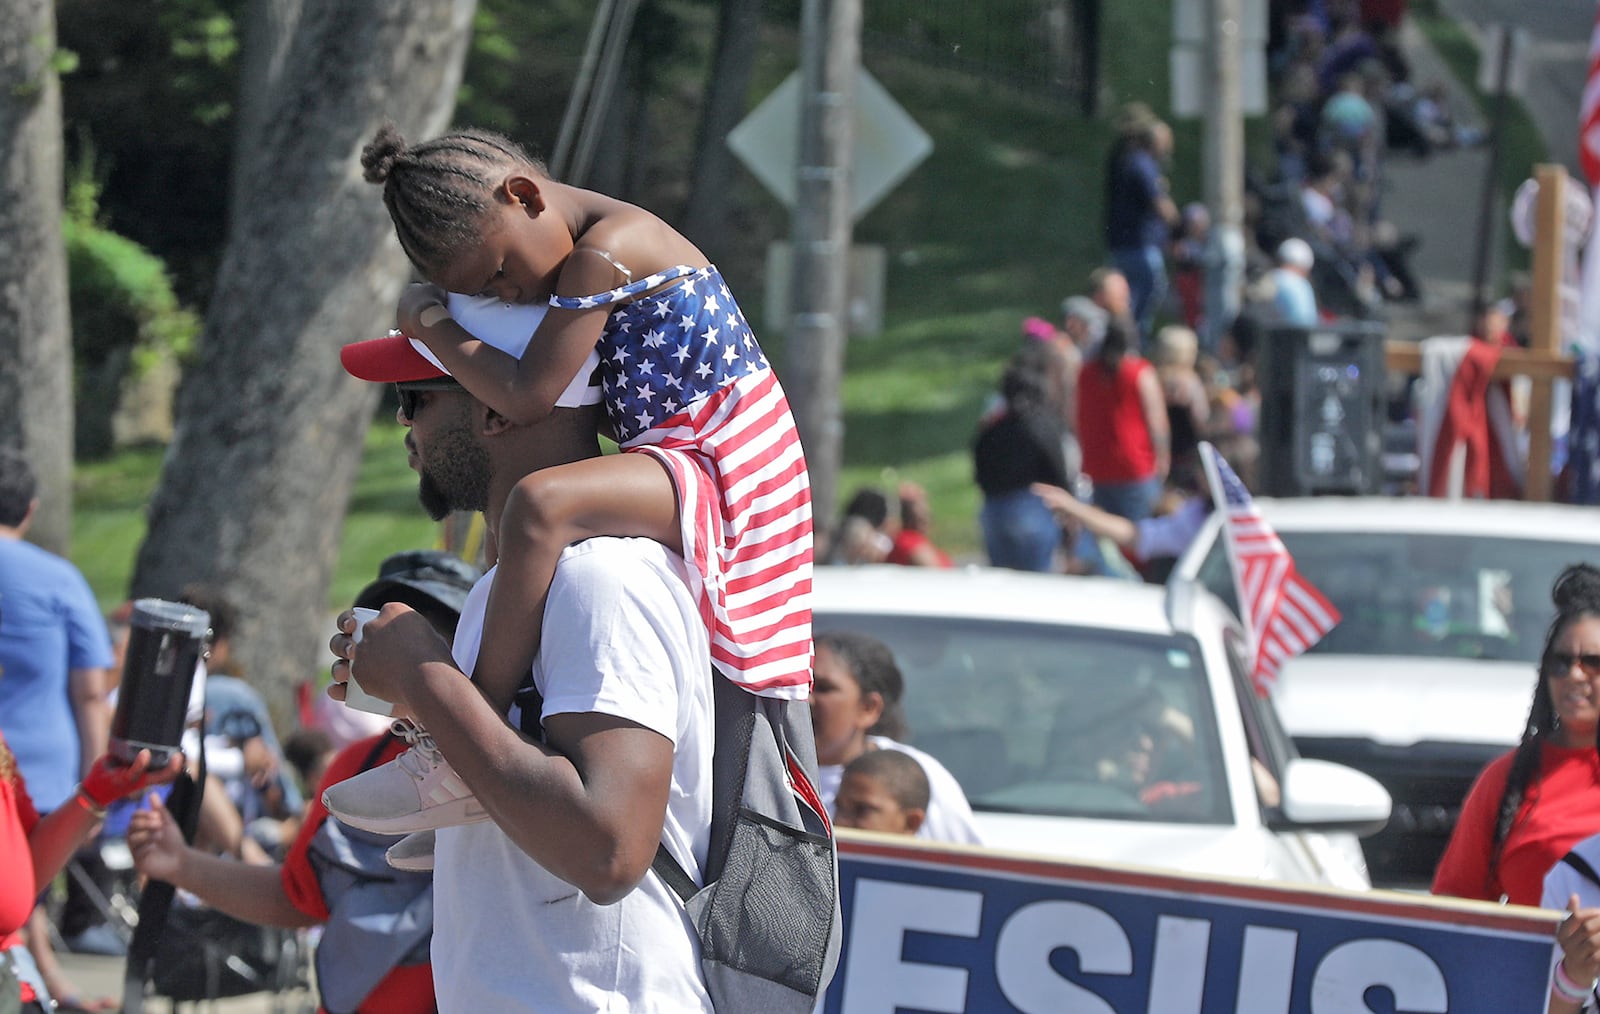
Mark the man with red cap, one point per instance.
(617, 758)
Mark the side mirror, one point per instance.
(1322, 796)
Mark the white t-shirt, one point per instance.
(622, 636)
(949, 815)
(1562, 882)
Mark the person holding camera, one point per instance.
(373, 955)
(54, 655)
(35, 848)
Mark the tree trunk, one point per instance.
(711, 175)
(270, 430)
(35, 329)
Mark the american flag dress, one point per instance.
(682, 379)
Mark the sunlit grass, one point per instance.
(111, 495)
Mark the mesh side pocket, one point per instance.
(773, 907)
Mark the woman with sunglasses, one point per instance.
(1531, 805)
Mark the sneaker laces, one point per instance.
(423, 755)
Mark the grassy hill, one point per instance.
(1000, 222)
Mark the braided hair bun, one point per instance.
(380, 154)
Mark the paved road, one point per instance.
(1439, 199)
(102, 977)
(1559, 53)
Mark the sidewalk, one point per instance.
(1438, 199)
(98, 977)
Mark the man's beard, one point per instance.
(453, 476)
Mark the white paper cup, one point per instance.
(354, 696)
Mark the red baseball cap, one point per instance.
(389, 360)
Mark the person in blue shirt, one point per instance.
(1140, 214)
(54, 653)
(1153, 543)
(1293, 297)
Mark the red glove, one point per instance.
(110, 779)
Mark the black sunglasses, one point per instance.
(410, 392)
(1559, 663)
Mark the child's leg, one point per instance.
(621, 494)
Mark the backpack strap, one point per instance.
(673, 874)
(377, 750)
(1581, 864)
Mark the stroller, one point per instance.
(207, 955)
(187, 952)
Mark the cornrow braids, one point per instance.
(438, 192)
(1576, 595)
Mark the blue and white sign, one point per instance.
(948, 930)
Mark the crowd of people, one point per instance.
(1085, 427)
(1103, 405)
(257, 848)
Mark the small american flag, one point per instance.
(683, 379)
(1283, 613)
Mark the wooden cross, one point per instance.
(1543, 360)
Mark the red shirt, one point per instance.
(908, 542)
(18, 818)
(1559, 809)
(1111, 426)
(406, 990)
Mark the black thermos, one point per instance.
(166, 641)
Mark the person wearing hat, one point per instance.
(331, 873)
(580, 792)
(1293, 297)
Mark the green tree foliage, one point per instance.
(151, 102)
(126, 317)
(153, 98)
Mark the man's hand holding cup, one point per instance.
(379, 654)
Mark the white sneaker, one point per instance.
(413, 853)
(417, 791)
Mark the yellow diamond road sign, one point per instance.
(888, 142)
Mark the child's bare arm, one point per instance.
(523, 390)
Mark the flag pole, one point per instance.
(1208, 456)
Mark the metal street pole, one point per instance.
(830, 53)
(1483, 253)
(1223, 176)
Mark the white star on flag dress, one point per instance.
(683, 379)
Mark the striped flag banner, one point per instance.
(1588, 337)
(1283, 613)
(1589, 112)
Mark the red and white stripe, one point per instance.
(752, 544)
(1284, 612)
(1588, 336)
(1589, 112)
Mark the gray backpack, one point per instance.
(380, 917)
(768, 916)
